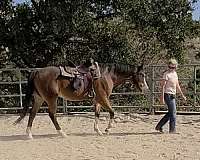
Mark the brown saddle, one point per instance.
(82, 84)
(81, 78)
(82, 75)
(72, 72)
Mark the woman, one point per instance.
(169, 84)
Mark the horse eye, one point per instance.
(143, 74)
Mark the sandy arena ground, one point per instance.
(133, 138)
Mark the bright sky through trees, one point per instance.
(195, 14)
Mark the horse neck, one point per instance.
(119, 79)
(118, 73)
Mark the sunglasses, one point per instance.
(170, 67)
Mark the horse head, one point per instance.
(139, 79)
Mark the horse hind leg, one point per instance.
(111, 121)
(97, 108)
(52, 107)
(108, 107)
(37, 102)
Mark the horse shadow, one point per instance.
(24, 137)
(114, 134)
(49, 136)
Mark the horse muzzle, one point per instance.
(144, 87)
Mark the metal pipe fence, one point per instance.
(13, 83)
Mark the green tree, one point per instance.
(51, 32)
(165, 22)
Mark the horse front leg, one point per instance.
(53, 118)
(97, 108)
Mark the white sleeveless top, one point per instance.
(171, 79)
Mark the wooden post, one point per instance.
(20, 88)
(151, 92)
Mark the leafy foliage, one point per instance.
(50, 32)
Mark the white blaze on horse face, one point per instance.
(145, 86)
(142, 82)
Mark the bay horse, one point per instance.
(47, 84)
(113, 75)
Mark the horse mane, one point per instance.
(118, 68)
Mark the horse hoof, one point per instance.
(61, 133)
(107, 132)
(28, 133)
(98, 132)
(30, 137)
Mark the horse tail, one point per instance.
(28, 95)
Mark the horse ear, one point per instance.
(140, 68)
(92, 60)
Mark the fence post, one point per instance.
(195, 85)
(20, 88)
(151, 92)
(65, 106)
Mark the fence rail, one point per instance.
(13, 82)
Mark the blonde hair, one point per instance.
(173, 61)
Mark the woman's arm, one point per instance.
(180, 91)
(162, 84)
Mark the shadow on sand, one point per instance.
(114, 134)
(24, 137)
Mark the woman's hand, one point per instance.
(162, 101)
(184, 97)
